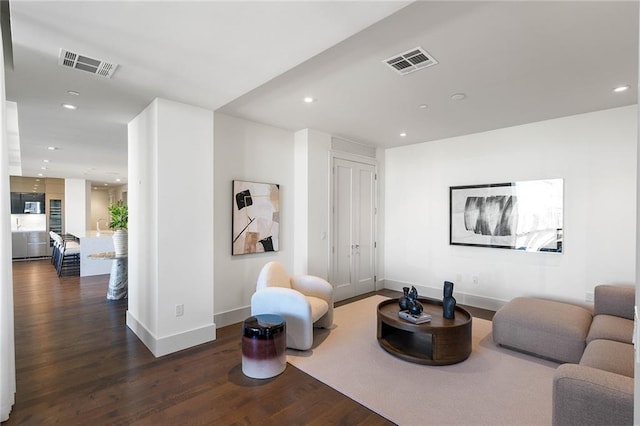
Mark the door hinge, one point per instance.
(375, 244)
(375, 278)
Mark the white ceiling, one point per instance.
(201, 53)
(517, 62)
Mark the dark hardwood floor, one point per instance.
(78, 363)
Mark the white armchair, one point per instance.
(304, 301)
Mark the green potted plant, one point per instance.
(119, 223)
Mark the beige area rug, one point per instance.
(494, 386)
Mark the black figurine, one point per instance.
(414, 306)
(404, 300)
(448, 302)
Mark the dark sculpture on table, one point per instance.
(404, 300)
(409, 301)
(448, 302)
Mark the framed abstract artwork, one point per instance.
(256, 217)
(525, 215)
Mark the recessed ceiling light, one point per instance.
(106, 184)
(40, 174)
(458, 96)
(37, 180)
(43, 168)
(69, 106)
(309, 100)
(52, 148)
(73, 93)
(423, 106)
(117, 180)
(621, 89)
(403, 134)
(45, 161)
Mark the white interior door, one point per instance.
(353, 228)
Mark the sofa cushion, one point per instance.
(546, 328)
(607, 355)
(319, 307)
(616, 300)
(584, 395)
(611, 328)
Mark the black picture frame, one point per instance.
(525, 215)
(255, 218)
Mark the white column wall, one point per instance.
(171, 226)
(143, 238)
(319, 163)
(246, 150)
(301, 206)
(380, 218)
(77, 206)
(636, 405)
(594, 153)
(7, 342)
(313, 168)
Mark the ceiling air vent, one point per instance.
(410, 61)
(85, 63)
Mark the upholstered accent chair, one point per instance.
(305, 302)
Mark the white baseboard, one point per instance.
(174, 343)
(461, 297)
(232, 317)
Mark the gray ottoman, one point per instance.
(546, 328)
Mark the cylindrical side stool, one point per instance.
(264, 345)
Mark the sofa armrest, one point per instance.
(279, 299)
(587, 396)
(616, 300)
(310, 285)
(293, 306)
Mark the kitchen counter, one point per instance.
(28, 243)
(92, 233)
(92, 242)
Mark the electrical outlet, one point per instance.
(588, 297)
(179, 310)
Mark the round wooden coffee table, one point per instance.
(439, 342)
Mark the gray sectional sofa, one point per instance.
(594, 385)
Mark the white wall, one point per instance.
(7, 343)
(77, 206)
(99, 209)
(594, 153)
(171, 226)
(312, 236)
(301, 205)
(143, 269)
(245, 150)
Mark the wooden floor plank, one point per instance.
(78, 363)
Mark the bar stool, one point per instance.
(65, 255)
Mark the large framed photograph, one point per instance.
(523, 215)
(256, 217)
